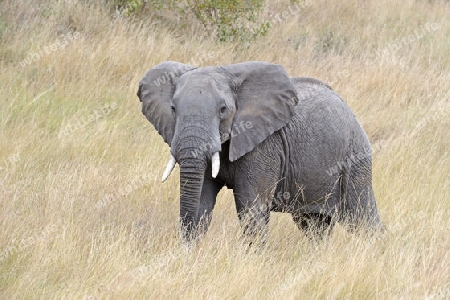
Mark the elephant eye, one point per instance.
(173, 108)
(223, 109)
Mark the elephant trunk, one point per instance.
(193, 162)
(191, 182)
(193, 148)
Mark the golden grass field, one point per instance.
(83, 213)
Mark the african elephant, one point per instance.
(282, 144)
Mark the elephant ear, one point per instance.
(155, 92)
(265, 101)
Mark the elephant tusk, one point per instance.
(169, 168)
(215, 160)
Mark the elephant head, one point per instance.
(196, 110)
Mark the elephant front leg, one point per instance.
(209, 193)
(254, 215)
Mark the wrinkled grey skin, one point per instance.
(278, 139)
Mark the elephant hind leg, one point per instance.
(314, 225)
(359, 206)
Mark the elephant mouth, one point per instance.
(215, 166)
(194, 143)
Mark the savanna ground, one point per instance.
(83, 213)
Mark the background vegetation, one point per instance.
(228, 20)
(83, 213)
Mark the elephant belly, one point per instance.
(306, 196)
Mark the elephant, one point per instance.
(281, 144)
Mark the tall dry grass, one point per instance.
(83, 214)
